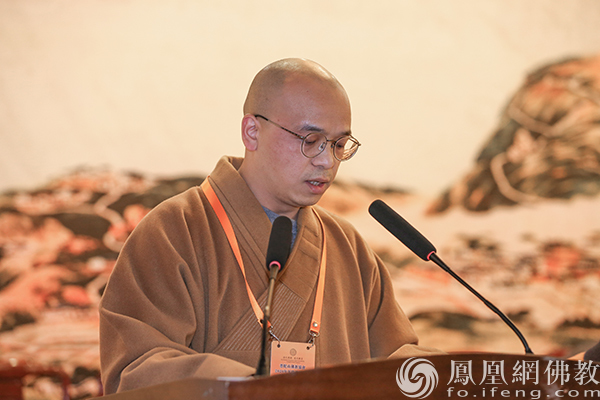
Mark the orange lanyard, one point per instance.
(315, 324)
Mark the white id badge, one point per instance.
(291, 356)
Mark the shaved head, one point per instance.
(303, 97)
(269, 84)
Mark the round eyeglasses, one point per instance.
(313, 144)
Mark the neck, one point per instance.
(265, 201)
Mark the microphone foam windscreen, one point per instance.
(400, 228)
(280, 241)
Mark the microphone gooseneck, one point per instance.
(278, 252)
(423, 248)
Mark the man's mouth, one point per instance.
(317, 183)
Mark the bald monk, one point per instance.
(178, 305)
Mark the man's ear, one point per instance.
(250, 130)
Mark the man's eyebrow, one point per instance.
(313, 128)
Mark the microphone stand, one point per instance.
(262, 364)
(418, 244)
(433, 257)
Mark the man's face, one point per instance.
(290, 179)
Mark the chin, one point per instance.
(310, 201)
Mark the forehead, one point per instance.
(312, 104)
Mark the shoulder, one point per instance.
(187, 199)
(179, 206)
(175, 226)
(176, 215)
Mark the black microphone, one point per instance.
(423, 248)
(278, 252)
(279, 243)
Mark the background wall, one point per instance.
(91, 90)
(158, 86)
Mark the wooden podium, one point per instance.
(459, 375)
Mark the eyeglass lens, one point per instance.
(315, 143)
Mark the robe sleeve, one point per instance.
(390, 331)
(152, 309)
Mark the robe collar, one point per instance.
(253, 227)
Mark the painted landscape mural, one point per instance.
(522, 227)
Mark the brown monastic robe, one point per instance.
(176, 304)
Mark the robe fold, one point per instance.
(176, 304)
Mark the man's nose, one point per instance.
(326, 157)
